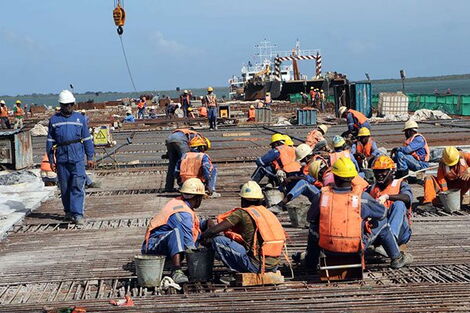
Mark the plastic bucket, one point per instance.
(149, 269)
(450, 200)
(200, 265)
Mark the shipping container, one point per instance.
(306, 117)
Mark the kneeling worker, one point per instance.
(365, 149)
(175, 228)
(355, 119)
(254, 238)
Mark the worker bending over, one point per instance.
(365, 149)
(341, 151)
(175, 229)
(415, 153)
(197, 164)
(340, 216)
(315, 137)
(355, 119)
(395, 195)
(453, 173)
(210, 101)
(253, 238)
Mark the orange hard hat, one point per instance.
(383, 162)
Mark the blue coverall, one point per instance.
(404, 159)
(209, 171)
(129, 119)
(70, 158)
(351, 120)
(177, 145)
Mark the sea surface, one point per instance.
(458, 87)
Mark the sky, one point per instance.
(46, 45)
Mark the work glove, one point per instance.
(465, 175)
(382, 199)
(281, 175)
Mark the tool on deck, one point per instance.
(421, 170)
(115, 149)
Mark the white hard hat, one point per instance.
(251, 190)
(2, 101)
(410, 125)
(341, 110)
(65, 96)
(129, 112)
(193, 186)
(302, 151)
(323, 128)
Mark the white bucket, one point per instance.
(450, 200)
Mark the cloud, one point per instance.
(165, 45)
(20, 41)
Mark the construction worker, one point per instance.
(341, 150)
(415, 153)
(129, 117)
(317, 98)
(141, 105)
(312, 95)
(49, 177)
(322, 100)
(395, 195)
(210, 101)
(267, 99)
(355, 119)
(315, 137)
(253, 238)
(177, 144)
(338, 220)
(4, 121)
(365, 149)
(185, 101)
(278, 163)
(251, 113)
(196, 163)
(175, 229)
(18, 112)
(453, 173)
(68, 142)
(288, 141)
(202, 110)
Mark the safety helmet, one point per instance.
(363, 132)
(65, 96)
(193, 186)
(277, 137)
(321, 90)
(83, 111)
(18, 101)
(185, 91)
(312, 88)
(57, 108)
(341, 110)
(268, 94)
(197, 142)
(288, 141)
(210, 89)
(323, 128)
(129, 112)
(302, 151)
(344, 167)
(252, 106)
(2, 101)
(383, 162)
(450, 156)
(190, 109)
(315, 167)
(251, 190)
(208, 143)
(410, 125)
(338, 141)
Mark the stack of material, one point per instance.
(392, 103)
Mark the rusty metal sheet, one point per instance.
(23, 150)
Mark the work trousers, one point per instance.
(141, 113)
(398, 220)
(211, 182)
(71, 178)
(233, 255)
(408, 162)
(212, 117)
(18, 123)
(166, 243)
(303, 187)
(5, 123)
(262, 171)
(432, 187)
(175, 150)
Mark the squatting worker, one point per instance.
(68, 143)
(253, 239)
(210, 101)
(355, 119)
(175, 229)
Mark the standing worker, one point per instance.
(185, 100)
(251, 114)
(268, 100)
(355, 119)
(141, 105)
(322, 100)
(210, 101)
(4, 121)
(18, 112)
(415, 153)
(312, 96)
(68, 142)
(365, 149)
(175, 229)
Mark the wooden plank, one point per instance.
(236, 134)
(253, 279)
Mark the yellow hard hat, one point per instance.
(18, 102)
(251, 190)
(344, 167)
(450, 156)
(190, 109)
(363, 132)
(321, 90)
(323, 128)
(410, 125)
(341, 110)
(338, 141)
(311, 87)
(315, 167)
(277, 137)
(210, 89)
(208, 143)
(197, 142)
(288, 141)
(302, 151)
(193, 186)
(383, 162)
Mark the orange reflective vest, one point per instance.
(202, 111)
(445, 172)
(45, 165)
(267, 226)
(3, 112)
(313, 138)
(140, 105)
(365, 149)
(328, 179)
(340, 225)
(191, 166)
(287, 160)
(211, 100)
(334, 156)
(251, 113)
(392, 189)
(19, 111)
(361, 118)
(426, 148)
(187, 132)
(173, 206)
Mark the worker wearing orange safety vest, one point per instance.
(315, 138)
(141, 105)
(197, 163)
(415, 153)
(453, 173)
(395, 195)
(210, 101)
(4, 121)
(355, 119)
(253, 238)
(175, 228)
(18, 112)
(338, 220)
(251, 113)
(341, 151)
(365, 149)
(202, 110)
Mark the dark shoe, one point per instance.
(403, 260)
(179, 277)
(94, 185)
(68, 217)
(299, 257)
(78, 220)
(428, 207)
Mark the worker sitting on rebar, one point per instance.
(197, 163)
(278, 163)
(175, 229)
(365, 149)
(341, 150)
(355, 119)
(415, 153)
(345, 219)
(395, 195)
(253, 238)
(453, 173)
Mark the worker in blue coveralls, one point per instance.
(375, 227)
(68, 143)
(415, 153)
(175, 229)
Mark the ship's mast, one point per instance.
(265, 51)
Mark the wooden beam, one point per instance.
(253, 279)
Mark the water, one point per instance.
(457, 86)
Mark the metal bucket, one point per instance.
(273, 196)
(200, 265)
(450, 200)
(149, 269)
